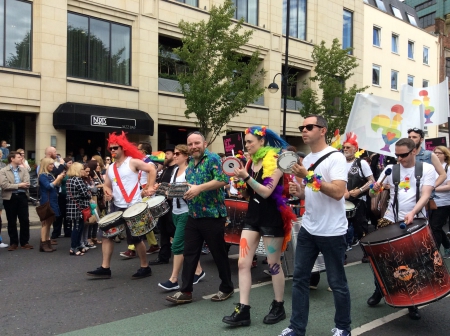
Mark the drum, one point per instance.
(286, 160)
(177, 190)
(162, 189)
(350, 209)
(237, 210)
(407, 265)
(139, 219)
(158, 205)
(112, 224)
(230, 164)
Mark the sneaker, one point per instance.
(329, 289)
(169, 285)
(199, 277)
(3, 245)
(267, 272)
(91, 246)
(129, 254)
(205, 250)
(101, 273)
(221, 296)
(288, 332)
(312, 287)
(349, 248)
(180, 297)
(355, 242)
(445, 256)
(142, 272)
(153, 249)
(339, 332)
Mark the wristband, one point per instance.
(360, 190)
(247, 178)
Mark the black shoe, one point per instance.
(157, 262)
(276, 313)
(365, 260)
(374, 299)
(239, 317)
(142, 272)
(413, 313)
(100, 273)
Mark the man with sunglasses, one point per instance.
(405, 151)
(324, 227)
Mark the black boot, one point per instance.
(240, 316)
(413, 313)
(375, 298)
(276, 313)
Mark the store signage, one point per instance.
(431, 143)
(102, 121)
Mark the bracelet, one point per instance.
(247, 178)
(313, 181)
(361, 190)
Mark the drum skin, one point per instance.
(139, 219)
(407, 265)
(237, 210)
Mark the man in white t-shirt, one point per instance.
(324, 227)
(405, 150)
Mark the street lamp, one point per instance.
(273, 87)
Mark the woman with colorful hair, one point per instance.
(268, 217)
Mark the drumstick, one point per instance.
(386, 174)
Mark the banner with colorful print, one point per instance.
(380, 122)
(434, 99)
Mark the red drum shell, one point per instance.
(237, 210)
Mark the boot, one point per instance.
(44, 247)
(240, 316)
(276, 313)
(49, 244)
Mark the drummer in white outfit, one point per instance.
(128, 164)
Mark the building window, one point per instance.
(424, 83)
(447, 67)
(376, 75)
(297, 18)
(15, 34)
(190, 2)
(410, 80)
(98, 50)
(380, 5)
(424, 5)
(427, 20)
(247, 9)
(376, 36)
(411, 19)
(347, 32)
(397, 12)
(394, 80)
(394, 43)
(425, 55)
(410, 50)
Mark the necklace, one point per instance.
(255, 174)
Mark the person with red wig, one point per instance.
(122, 188)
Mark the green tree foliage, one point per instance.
(220, 82)
(21, 58)
(334, 66)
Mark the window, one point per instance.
(424, 83)
(247, 9)
(427, 20)
(425, 55)
(297, 18)
(410, 80)
(15, 34)
(98, 50)
(347, 31)
(190, 2)
(411, 19)
(394, 80)
(447, 67)
(375, 75)
(410, 49)
(376, 36)
(397, 12)
(394, 43)
(425, 4)
(380, 5)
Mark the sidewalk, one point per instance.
(34, 218)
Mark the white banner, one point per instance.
(434, 99)
(380, 122)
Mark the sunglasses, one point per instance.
(108, 159)
(114, 148)
(416, 130)
(404, 155)
(176, 153)
(347, 147)
(309, 127)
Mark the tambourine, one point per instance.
(286, 160)
(230, 164)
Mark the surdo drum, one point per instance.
(139, 219)
(112, 224)
(236, 210)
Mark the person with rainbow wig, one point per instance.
(268, 217)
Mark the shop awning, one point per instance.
(95, 118)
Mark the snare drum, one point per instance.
(139, 219)
(177, 190)
(162, 189)
(158, 205)
(407, 265)
(112, 224)
(237, 210)
(230, 164)
(286, 160)
(350, 209)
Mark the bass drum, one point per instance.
(236, 210)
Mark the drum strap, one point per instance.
(418, 172)
(128, 198)
(323, 157)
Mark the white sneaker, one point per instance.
(3, 245)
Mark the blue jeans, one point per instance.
(333, 250)
(77, 232)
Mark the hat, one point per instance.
(301, 154)
(169, 148)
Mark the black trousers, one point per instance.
(210, 230)
(166, 231)
(17, 207)
(58, 223)
(359, 222)
(438, 218)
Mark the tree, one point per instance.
(220, 82)
(333, 68)
(21, 58)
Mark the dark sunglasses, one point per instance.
(404, 155)
(176, 153)
(114, 148)
(308, 127)
(416, 130)
(347, 147)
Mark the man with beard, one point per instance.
(206, 221)
(165, 223)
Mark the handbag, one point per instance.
(86, 212)
(45, 211)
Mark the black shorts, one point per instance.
(131, 240)
(266, 231)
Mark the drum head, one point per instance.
(286, 160)
(155, 201)
(110, 217)
(393, 231)
(230, 164)
(135, 209)
(349, 206)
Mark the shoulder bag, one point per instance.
(45, 211)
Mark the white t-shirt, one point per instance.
(443, 198)
(324, 216)
(183, 205)
(365, 170)
(407, 189)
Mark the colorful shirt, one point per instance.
(208, 203)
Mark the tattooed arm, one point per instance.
(263, 191)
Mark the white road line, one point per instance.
(236, 290)
(379, 322)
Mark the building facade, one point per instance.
(428, 10)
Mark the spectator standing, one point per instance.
(4, 149)
(24, 160)
(2, 165)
